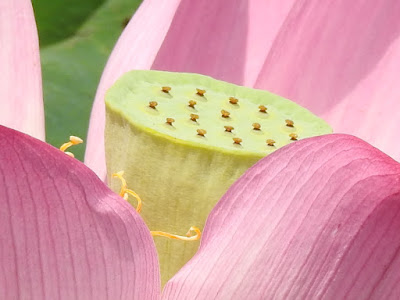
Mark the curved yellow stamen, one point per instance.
(124, 186)
(136, 196)
(188, 236)
(125, 192)
(70, 154)
(73, 140)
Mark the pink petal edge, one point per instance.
(316, 219)
(63, 233)
(341, 60)
(135, 49)
(20, 77)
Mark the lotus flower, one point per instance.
(316, 219)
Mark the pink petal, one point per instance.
(341, 59)
(317, 219)
(136, 49)
(221, 38)
(63, 233)
(21, 99)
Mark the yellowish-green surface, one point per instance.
(179, 174)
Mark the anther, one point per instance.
(192, 103)
(188, 237)
(225, 114)
(70, 154)
(200, 92)
(194, 117)
(166, 89)
(237, 141)
(169, 121)
(270, 142)
(293, 136)
(228, 128)
(125, 192)
(289, 123)
(201, 132)
(73, 140)
(262, 109)
(153, 104)
(233, 100)
(256, 126)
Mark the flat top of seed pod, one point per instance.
(148, 99)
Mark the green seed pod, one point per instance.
(181, 167)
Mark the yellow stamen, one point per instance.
(200, 92)
(188, 236)
(73, 140)
(125, 192)
(70, 154)
(166, 89)
(124, 185)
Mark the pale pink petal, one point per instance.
(341, 59)
(318, 219)
(136, 49)
(21, 102)
(63, 233)
(225, 39)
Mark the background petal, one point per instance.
(225, 39)
(136, 49)
(63, 234)
(20, 77)
(341, 59)
(316, 219)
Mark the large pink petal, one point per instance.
(220, 38)
(63, 233)
(341, 59)
(21, 99)
(317, 219)
(136, 49)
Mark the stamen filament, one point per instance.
(125, 192)
(73, 140)
(124, 185)
(188, 236)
